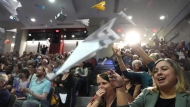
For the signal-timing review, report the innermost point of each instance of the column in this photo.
(20, 41)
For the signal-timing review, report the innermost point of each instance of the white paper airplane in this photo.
(2, 30)
(12, 30)
(122, 14)
(11, 6)
(87, 48)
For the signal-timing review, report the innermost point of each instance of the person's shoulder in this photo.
(47, 81)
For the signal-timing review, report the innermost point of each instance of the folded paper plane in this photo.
(100, 6)
(98, 40)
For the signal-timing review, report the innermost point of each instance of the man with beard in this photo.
(37, 91)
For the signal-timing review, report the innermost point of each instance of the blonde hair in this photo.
(182, 84)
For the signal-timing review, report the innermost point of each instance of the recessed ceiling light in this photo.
(150, 38)
(52, 1)
(154, 34)
(122, 35)
(162, 17)
(130, 17)
(29, 34)
(65, 36)
(13, 36)
(73, 36)
(144, 35)
(33, 20)
(121, 41)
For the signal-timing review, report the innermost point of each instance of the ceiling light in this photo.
(122, 35)
(144, 35)
(84, 31)
(13, 36)
(29, 34)
(132, 37)
(15, 0)
(33, 20)
(52, 1)
(130, 17)
(121, 41)
(65, 36)
(154, 34)
(162, 17)
(73, 36)
(150, 38)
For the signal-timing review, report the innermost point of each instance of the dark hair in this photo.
(33, 65)
(26, 72)
(176, 55)
(104, 76)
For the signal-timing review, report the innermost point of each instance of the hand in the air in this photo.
(115, 79)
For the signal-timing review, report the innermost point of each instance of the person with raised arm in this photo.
(171, 88)
(142, 77)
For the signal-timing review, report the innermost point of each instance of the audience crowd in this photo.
(139, 71)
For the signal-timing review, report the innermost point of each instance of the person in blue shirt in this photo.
(37, 91)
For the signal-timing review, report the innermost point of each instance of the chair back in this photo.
(12, 100)
(50, 95)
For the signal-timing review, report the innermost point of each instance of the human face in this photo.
(103, 84)
(164, 75)
(137, 66)
(49, 67)
(40, 72)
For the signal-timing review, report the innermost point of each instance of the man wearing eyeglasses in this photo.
(37, 91)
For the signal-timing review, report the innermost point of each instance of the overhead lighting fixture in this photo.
(33, 20)
(73, 36)
(144, 35)
(29, 34)
(52, 1)
(65, 36)
(122, 35)
(85, 31)
(150, 38)
(15, 0)
(162, 17)
(121, 41)
(13, 36)
(154, 34)
(130, 17)
(132, 38)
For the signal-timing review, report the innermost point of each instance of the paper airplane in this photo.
(2, 30)
(11, 6)
(12, 30)
(100, 6)
(86, 49)
(122, 14)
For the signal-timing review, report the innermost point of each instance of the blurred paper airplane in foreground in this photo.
(99, 39)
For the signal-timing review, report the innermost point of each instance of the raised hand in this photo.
(115, 79)
(116, 52)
